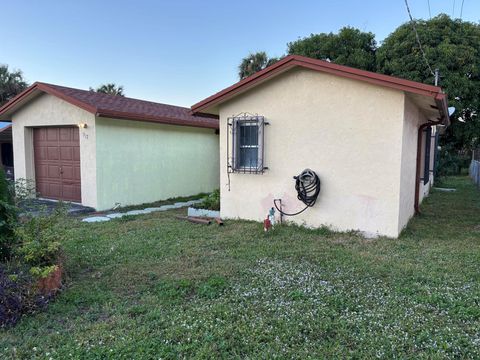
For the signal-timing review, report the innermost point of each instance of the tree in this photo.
(254, 62)
(110, 89)
(350, 47)
(8, 218)
(452, 46)
(11, 83)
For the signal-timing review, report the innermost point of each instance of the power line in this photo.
(429, 11)
(461, 10)
(412, 21)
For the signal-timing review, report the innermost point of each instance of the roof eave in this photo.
(157, 119)
(294, 60)
(11, 106)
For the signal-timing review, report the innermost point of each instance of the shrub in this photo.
(24, 191)
(40, 240)
(211, 202)
(451, 162)
(10, 300)
(8, 218)
(18, 296)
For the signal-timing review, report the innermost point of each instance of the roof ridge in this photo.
(291, 61)
(110, 95)
(111, 106)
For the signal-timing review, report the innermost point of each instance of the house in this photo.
(367, 136)
(6, 149)
(103, 150)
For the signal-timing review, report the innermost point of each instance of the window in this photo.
(246, 136)
(247, 144)
(7, 154)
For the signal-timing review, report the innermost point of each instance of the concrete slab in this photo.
(115, 215)
(96, 219)
(137, 212)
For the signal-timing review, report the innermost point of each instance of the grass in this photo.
(156, 287)
(159, 203)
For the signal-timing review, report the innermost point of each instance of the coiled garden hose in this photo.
(307, 185)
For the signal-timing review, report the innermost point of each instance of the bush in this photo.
(8, 218)
(18, 296)
(211, 202)
(40, 240)
(451, 162)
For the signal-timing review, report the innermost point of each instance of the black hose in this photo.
(307, 185)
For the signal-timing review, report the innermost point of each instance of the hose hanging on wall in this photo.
(307, 185)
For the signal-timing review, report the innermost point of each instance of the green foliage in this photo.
(350, 47)
(11, 84)
(24, 191)
(211, 202)
(42, 271)
(40, 239)
(452, 46)
(110, 89)
(254, 62)
(8, 218)
(451, 161)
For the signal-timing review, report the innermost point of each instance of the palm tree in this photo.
(254, 62)
(11, 84)
(110, 89)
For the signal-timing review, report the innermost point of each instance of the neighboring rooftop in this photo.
(112, 106)
(6, 133)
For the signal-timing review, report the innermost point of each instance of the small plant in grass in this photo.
(211, 201)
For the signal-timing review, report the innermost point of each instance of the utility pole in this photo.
(437, 76)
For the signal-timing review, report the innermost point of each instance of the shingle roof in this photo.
(112, 106)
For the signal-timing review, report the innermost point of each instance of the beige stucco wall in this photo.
(413, 119)
(349, 132)
(141, 162)
(48, 110)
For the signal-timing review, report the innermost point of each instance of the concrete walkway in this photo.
(34, 207)
(116, 215)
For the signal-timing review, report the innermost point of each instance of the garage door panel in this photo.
(41, 153)
(68, 173)
(52, 153)
(71, 192)
(54, 191)
(76, 154)
(76, 173)
(42, 187)
(66, 153)
(71, 173)
(65, 134)
(41, 171)
(57, 163)
(53, 172)
(52, 134)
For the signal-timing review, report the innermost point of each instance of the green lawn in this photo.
(157, 287)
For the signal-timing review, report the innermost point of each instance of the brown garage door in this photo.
(57, 163)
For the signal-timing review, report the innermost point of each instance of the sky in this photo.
(179, 52)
